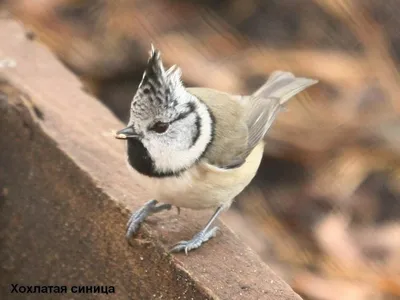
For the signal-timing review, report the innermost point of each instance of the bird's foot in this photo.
(141, 214)
(196, 241)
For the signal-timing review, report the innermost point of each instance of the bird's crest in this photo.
(155, 71)
(165, 83)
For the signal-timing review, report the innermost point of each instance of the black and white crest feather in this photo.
(160, 87)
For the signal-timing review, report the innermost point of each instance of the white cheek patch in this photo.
(172, 158)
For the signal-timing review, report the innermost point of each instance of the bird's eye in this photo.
(160, 127)
(146, 90)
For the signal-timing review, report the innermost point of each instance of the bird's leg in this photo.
(141, 214)
(203, 236)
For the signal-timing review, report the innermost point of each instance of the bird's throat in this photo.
(140, 159)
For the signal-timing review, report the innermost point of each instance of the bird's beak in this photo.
(126, 133)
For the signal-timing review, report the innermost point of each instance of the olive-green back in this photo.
(230, 131)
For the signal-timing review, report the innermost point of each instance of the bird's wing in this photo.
(264, 105)
(242, 121)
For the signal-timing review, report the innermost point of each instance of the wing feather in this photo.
(265, 104)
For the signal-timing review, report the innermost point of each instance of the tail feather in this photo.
(264, 105)
(267, 101)
(283, 86)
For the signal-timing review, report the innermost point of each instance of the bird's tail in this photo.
(283, 86)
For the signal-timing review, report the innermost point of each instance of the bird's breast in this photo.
(203, 186)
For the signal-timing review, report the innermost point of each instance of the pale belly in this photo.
(203, 186)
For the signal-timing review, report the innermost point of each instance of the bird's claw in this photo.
(195, 242)
(141, 214)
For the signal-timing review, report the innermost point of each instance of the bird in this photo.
(197, 148)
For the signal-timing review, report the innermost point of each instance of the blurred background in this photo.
(324, 208)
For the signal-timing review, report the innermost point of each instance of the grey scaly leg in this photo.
(203, 236)
(141, 214)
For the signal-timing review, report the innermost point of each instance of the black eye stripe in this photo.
(183, 115)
